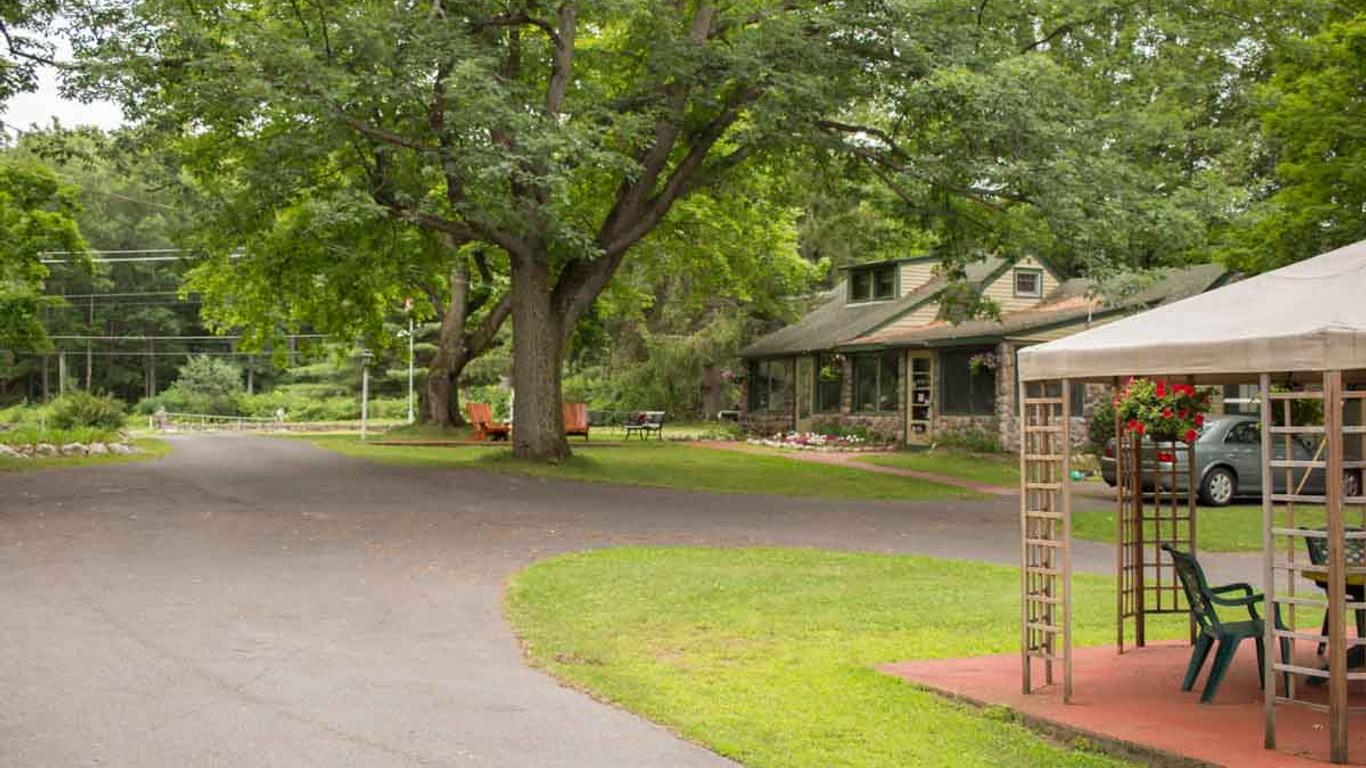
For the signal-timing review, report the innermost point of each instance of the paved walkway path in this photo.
(252, 601)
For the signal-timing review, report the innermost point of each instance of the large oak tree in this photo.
(563, 133)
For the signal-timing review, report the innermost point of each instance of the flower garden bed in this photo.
(815, 441)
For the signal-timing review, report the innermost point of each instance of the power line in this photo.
(120, 295)
(116, 252)
(178, 338)
(120, 256)
(140, 353)
(116, 260)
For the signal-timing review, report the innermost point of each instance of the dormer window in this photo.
(872, 283)
(1029, 283)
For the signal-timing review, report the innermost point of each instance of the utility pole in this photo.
(364, 391)
(89, 356)
(61, 373)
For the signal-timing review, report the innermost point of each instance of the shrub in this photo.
(1100, 428)
(31, 435)
(499, 399)
(205, 385)
(82, 409)
(835, 428)
(969, 439)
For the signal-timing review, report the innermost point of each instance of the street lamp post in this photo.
(364, 392)
(408, 308)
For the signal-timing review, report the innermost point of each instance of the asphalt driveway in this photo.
(258, 602)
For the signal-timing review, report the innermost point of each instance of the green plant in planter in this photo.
(1165, 412)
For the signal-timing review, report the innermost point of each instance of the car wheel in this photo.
(1351, 483)
(1219, 487)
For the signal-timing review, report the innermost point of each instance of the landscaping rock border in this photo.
(48, 450)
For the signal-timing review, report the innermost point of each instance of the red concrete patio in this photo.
(1135, 700)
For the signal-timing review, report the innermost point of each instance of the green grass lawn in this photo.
(768, 656)
(152, 448)
(1217, 529)
(667, 465)
(991, 468)
(672, 431)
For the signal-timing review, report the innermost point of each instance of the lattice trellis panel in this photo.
(1314, 532)
(1045, 534)
(1155, 505)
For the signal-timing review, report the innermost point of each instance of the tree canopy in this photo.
(505, 158)
(1315, 122)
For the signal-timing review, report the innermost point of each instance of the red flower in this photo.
(1185, 414)
(1185, 389)
(1166, 413)
(1191, 435)
(1133, 425)
(1161, 390)
(1199, 420)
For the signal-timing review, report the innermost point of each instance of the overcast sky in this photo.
(38, 108)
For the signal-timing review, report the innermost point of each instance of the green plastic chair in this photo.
(1204, 601)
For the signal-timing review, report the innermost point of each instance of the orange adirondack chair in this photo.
(576, 420)
(485, 428)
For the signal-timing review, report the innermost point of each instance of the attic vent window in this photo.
(1029, 283)
(873, 283)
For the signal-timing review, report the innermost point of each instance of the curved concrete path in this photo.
(258, 602)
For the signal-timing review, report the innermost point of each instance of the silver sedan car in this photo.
(1228, 457)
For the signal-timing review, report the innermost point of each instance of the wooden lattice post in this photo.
(1045, 534)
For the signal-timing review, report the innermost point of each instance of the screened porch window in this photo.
(961, 391)
(876, 375)
(769, 382)
(829, 390)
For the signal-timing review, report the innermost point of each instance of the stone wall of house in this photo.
(1008, 407)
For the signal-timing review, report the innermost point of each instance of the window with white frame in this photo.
(1029, 283)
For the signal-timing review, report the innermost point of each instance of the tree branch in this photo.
(522, 19)
(380, 134)
(562, 60)
(477, 341)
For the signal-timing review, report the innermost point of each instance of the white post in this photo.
(410, 369)
(364, 392)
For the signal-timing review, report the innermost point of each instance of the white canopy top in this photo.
(1309, 316)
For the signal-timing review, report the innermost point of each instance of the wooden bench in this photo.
(644, 422)
(485, 428)
(576, 420)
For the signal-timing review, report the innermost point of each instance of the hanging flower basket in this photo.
(984, 361)
(1164, 412)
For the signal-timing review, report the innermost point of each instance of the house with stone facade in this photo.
(878, 351)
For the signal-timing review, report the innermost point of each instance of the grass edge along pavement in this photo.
(149, 449)
(991, 469)
(664, 464)
(769, 656)
(1235, 528)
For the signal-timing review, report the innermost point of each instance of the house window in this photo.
(1029, 283)
(963, 390)
(876, 375)
(829, 390)
(875, 283)
(769, 382)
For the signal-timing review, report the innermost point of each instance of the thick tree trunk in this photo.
(439, 405)
(537, 353)
(457, 344)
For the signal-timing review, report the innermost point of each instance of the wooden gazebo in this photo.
(1299, 335)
